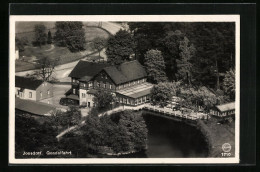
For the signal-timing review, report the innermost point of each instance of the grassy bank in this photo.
(218, 134)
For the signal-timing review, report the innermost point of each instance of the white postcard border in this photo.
(129, 18)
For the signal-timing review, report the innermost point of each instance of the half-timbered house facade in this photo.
(127, 81)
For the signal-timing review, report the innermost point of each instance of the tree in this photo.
(30, 135)
(229, 83)
(162, 93)
(120, 47)
(98, 44)
(66, 119)
(74, 115)
(214, 43)
(103, 100)
(21, 42)
(49, 40)
(184, 63)
(130, 133)
(147, 36)
(155, 66)
(136, 127)
(46, 68)
(93, 133)
(71, 35)
(40, 35)
(170, 46)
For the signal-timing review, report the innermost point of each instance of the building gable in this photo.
(28, 83)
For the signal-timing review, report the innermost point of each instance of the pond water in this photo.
(171, 139)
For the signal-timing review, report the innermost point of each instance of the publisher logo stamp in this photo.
(226, 147)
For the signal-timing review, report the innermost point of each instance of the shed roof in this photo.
(226, 107)
(28, 83)
(33, 107)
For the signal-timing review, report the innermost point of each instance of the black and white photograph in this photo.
(124, 89)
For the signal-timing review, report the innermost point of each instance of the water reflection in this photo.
(171, 139)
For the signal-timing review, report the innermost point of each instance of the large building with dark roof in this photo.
(127, 81)
(32, 89)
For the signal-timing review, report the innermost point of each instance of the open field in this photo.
(28, 26)
(31, 54)
(26, 30)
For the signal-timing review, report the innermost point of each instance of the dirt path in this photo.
(52, 47)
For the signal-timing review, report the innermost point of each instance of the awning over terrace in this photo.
(73, 97)
(136, 91)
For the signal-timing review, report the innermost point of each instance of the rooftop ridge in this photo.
(226, 103)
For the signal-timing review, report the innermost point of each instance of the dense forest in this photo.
(213, 46)
(122, 132)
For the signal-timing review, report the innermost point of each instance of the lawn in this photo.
(28, 26)
(25, 29)
(32, 54)
(23, 66)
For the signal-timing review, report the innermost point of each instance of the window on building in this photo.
(83, 95)
(48, 92)
(41, 94)
(74, 91)
(90, 84)
(105, 76)
(105, 85)
(98, 84)
(143, 80)
(73, 80)
(30, 94)
(110, 86)
(20, 94)
(138, 82)
(84, 85)
(134, 83)
(129, 84)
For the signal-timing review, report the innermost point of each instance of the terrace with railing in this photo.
(160, 110)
